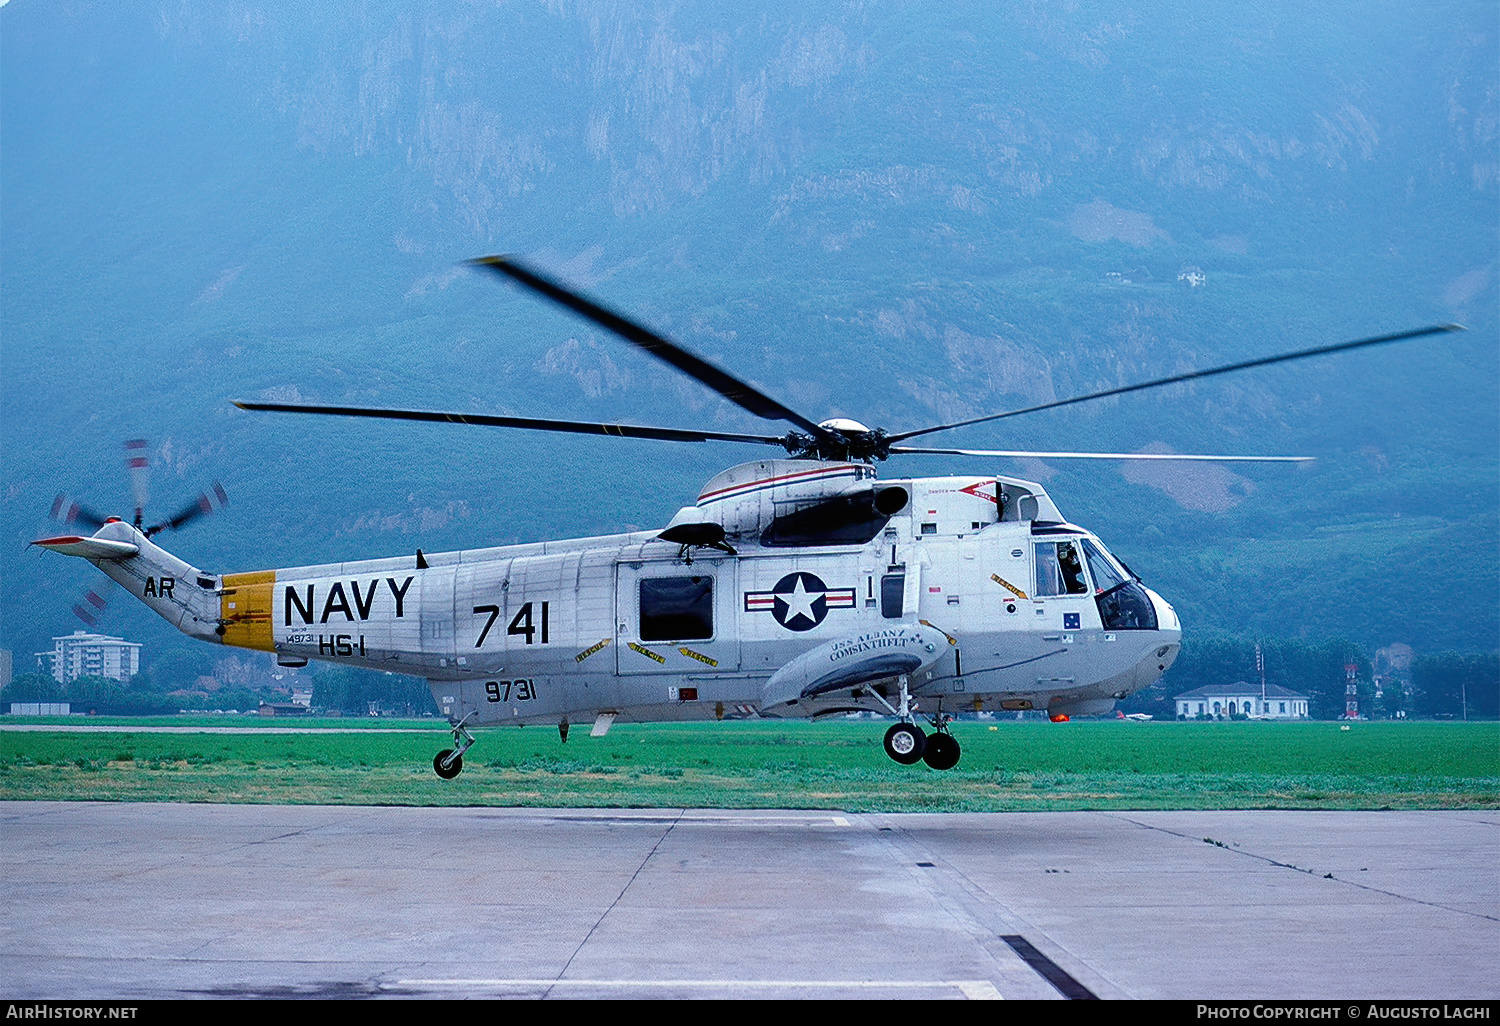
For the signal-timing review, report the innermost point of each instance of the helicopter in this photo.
(799, 585)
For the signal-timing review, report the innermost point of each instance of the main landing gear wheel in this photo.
(905, 743)
(448, 764)
(941, 752)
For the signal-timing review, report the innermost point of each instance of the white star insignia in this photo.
(799, 602)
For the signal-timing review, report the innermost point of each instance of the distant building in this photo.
(5, 668)
(283, 709)
(1242, 699)
(81, 654)
(41, 708)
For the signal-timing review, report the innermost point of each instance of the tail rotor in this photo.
(69, 511)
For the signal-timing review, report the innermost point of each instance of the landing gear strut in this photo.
(449, 763)
(905, 741)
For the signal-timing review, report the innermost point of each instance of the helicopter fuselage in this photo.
(792, 587)
(820, 596)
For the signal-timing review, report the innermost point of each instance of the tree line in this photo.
(1449, 685)
(176, 682)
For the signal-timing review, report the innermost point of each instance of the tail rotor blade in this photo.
(89, 610)
(68, 510)
(205, 503)
(139, 465)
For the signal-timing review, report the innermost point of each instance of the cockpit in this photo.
(1123, 603)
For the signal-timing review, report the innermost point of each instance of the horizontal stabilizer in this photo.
(89, 548)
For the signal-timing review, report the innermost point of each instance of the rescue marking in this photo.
(581, 656)
(1007, 585)
(974, 490)
(698, 656)
(648, 653)
(951, 639)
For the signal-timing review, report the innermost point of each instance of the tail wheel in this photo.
(905, 743)
(447, 765)
(942, 751)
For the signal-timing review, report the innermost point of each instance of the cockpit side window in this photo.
(1059, 569)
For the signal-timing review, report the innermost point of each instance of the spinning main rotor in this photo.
(839, 439)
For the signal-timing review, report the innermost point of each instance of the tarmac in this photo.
(126, 902)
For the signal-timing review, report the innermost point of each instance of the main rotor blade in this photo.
(736, 391)
(906, 451)
(1192, 375)
(526, 423)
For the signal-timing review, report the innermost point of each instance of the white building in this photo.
(1241, 699)
(81, 654)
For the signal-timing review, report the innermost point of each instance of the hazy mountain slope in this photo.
(904, 215)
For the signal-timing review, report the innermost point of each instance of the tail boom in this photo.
(180, 593)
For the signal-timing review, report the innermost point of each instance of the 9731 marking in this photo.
(522, 689)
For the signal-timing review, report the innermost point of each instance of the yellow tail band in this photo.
(246, 607)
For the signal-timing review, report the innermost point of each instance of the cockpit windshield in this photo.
(1106, 577)
(1123, 604)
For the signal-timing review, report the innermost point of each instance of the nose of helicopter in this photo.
(1169, 638)
(1166, 616)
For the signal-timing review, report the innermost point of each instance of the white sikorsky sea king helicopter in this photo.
(793, 587)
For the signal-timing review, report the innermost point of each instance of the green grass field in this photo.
(1006, 766)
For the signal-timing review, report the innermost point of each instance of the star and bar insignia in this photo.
(799, 601)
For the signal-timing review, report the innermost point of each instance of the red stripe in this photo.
(831, 471)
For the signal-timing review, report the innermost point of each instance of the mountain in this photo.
(900, 214)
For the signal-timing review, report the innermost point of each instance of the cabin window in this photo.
(1059, 570)
(677, 608)
(892, 595)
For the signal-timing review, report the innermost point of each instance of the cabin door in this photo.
(672, 617)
